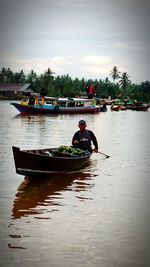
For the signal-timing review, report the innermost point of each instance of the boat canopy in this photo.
(74, 99)
(68, 99)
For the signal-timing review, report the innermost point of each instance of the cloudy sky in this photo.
(82, 38)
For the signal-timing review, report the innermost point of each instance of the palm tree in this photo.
(47, 79)
(124, 82)
(115, 73)
(3, 75)
(19, 77)
(31, 77)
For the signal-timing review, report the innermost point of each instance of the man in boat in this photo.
(31, 100)
(84, 138)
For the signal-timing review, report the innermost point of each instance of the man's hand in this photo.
(75, 142)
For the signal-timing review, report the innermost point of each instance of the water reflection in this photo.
(36, 196)
(31, 116)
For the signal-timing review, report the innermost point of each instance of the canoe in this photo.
(114, 107)
(141, 107)
(45, 161)
(59, 106)
(122, 107)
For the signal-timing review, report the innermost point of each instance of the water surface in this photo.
(99, 216)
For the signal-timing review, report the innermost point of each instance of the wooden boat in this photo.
(138, 107)
(118, 105)
(122, 107)
(59, 106)
(114, 107)
(45, 161)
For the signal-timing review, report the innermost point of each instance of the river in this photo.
(97, 217)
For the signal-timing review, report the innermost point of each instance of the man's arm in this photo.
(75, 139)
(94, 140)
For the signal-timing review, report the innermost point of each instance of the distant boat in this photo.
(114, 107)
(138, 107)
(59, 106)
(118, 105)
(135, 105)
(39, 162)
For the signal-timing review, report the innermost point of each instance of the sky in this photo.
(81, 38)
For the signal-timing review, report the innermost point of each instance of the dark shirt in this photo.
(31, 100)
(85, 138)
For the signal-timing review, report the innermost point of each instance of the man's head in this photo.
(82, 125)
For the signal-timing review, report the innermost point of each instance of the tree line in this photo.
(61, 86)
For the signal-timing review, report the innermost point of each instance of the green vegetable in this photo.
(71, 151)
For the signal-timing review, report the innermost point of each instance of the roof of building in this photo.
(4, 87)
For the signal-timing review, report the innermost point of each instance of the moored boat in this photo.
(38, 162)
(122, 107)
(138, 107)
(114, 107)
(118, 105)
(59, 106)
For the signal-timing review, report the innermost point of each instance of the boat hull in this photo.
(36, 162)
(114, 108)
(54, 109)
(138, 107)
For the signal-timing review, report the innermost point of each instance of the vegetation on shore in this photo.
(120, 86)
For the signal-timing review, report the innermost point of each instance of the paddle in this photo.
(103, 154)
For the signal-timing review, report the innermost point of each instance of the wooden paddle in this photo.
(103, 154)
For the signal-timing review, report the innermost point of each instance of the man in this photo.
(84, 138)
(91, 91)
(31, 100)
